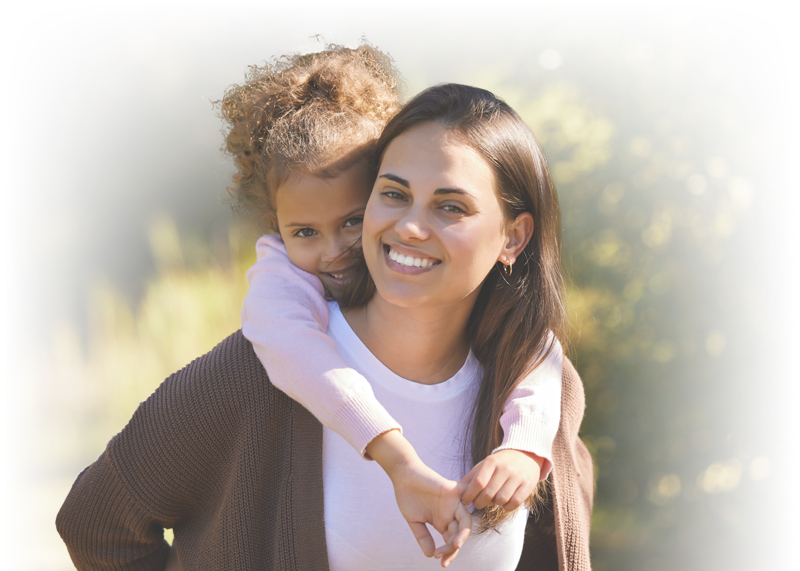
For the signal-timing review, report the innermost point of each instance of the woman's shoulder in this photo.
(230, 376)
(198, 417)
(219, 405)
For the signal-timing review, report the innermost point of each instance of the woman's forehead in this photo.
(432, 154)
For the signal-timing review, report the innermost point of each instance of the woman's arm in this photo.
(104, 526)
(285, 317)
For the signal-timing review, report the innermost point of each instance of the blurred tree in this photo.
(669, 128)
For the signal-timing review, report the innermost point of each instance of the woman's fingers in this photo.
(486, 496)
(424, 538)
(508, 497)
(518, 498)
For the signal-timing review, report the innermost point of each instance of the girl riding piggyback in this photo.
(302, 132)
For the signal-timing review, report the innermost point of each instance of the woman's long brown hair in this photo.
(513, 316)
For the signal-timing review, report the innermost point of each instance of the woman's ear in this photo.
(520, 232)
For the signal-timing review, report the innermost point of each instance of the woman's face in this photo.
(434, 227)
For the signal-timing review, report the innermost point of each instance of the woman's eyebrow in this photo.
(438, 191)
(452, 191)
(397, 179)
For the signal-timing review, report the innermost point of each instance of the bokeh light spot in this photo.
(550, 59)
(759, 468)
(720, 477)
(696, 184)
(715, 343)
(741, 193)
(717, 167)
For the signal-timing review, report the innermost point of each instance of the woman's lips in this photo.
(408, 263)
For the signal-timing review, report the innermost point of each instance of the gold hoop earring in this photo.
(508, 269)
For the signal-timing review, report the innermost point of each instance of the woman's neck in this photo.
(427, 345)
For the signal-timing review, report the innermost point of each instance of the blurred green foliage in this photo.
(669, 128)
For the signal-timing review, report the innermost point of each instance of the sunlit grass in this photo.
(64, 400)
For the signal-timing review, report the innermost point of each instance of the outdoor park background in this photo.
(670, 131)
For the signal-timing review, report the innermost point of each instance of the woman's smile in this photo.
(404, 260)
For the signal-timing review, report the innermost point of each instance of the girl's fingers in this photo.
(456, 534)
(464, 525)
(424, 538)
(449, 558)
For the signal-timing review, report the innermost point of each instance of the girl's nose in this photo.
(331, 250)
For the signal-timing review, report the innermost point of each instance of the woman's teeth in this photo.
(410, 261)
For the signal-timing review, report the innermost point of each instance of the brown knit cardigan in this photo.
(235, 467)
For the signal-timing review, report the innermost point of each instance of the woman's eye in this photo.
(355, 221)
(305, 233)
(453, 208)
(393, 195)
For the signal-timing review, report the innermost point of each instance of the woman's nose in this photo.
(412, 225)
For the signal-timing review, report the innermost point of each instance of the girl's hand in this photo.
(423, 496)
(505, 478)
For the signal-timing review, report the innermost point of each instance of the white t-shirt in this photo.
(363, 525)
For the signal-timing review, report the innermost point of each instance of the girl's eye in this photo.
(305, 233)
(355, 221)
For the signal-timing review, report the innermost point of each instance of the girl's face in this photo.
(319, 218)
(433, 227)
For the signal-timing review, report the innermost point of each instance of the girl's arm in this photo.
(530, 420)
(285, 317)
(533, 410)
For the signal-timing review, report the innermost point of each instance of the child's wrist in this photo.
(393, 453)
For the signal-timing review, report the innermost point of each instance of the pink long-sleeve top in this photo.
(285, 317)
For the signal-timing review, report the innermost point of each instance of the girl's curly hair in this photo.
(316, 113)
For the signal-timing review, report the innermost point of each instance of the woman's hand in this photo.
(505, 478)
(423, 496)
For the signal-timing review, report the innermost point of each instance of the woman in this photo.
(237, 468)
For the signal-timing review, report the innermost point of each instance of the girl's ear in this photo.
(520, 232)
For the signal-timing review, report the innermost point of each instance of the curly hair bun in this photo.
(317, 113)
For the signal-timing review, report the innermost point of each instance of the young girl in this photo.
(301, 132)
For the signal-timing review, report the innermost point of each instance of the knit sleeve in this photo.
(165, 467)
(104, 527)
(285, 317)
(532, 412)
